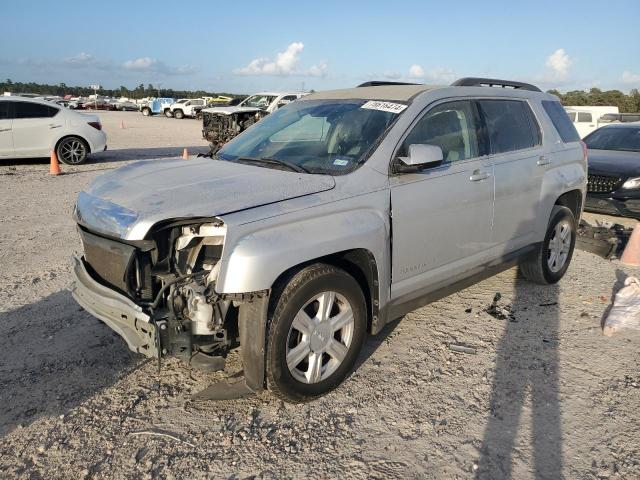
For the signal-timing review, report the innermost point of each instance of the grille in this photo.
(110, 260)
(602, 183)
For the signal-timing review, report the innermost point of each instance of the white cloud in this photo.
(628, 77)
(80, 59)
(416, 71)
(441, 75)
(151, 65)
(558, 64)
(285, 64)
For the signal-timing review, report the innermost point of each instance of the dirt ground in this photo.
(545, 396)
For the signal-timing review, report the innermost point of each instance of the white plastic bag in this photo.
(625, 313)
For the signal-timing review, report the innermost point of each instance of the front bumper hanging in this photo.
(117, 311)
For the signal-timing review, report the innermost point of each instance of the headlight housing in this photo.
(103, 215)
(631, 183)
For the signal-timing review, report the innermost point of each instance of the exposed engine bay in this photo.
(219, 128)
(172, 276)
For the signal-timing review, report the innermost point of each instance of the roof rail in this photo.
(494, 82)
(381, 83)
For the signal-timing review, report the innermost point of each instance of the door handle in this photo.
(5, 129)
(52, 126)
(478, 175)
(542, 160)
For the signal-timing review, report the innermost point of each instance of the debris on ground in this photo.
(499, 312)
(625, 312)
(606, 239)
(461, 349)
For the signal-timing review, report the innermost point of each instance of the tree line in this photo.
(138, 92)
(626, 103)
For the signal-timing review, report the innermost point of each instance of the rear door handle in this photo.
(543, 161)
(478, 175)
(5, 129)
(52, 126)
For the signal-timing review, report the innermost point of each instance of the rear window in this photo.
(34, 110)
(561, 121)
(511, 125)
(584, 117)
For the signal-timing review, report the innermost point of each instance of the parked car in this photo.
(99, 104)
(282, 243)
(614, 170)
(76, 104)
(619, 117)
(586, 118)
(186, 109)
(221, 124)
(32, 128)
(156, 106)
(127, 106)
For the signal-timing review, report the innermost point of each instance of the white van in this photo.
(585, 118)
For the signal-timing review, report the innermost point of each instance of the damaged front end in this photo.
(159, 295)
(219, 128)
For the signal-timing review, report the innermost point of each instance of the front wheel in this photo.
(146, 111)
(178, 114)
(551, 260)
(316, 332)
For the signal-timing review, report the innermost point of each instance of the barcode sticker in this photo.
(384, 106)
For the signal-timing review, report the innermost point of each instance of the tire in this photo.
(198, 116)
(298, 331)
(168, 114)
(540, 266)
(146, 112)
(72, 150)
(178, 114)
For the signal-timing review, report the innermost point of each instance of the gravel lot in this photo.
(546, 395)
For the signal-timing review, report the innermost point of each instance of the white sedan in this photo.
(34, 128)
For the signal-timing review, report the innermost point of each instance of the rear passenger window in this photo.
(33, 110)
(451, 126)
(511, 125)
(561, 121)
(584, 117)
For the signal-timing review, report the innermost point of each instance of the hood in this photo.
(230, 110)
(623, 164)
(126, 202)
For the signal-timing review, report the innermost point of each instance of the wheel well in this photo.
(86, 144)
(359, 263)
(573, 201)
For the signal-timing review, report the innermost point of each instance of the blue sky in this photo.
(246, 46)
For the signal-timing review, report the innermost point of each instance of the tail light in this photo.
(96, 125)
(585, 151)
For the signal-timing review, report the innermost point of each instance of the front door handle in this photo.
(52, 126)
(478, 175)
(542, 160)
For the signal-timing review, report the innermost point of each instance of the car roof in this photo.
(14, 98)
(622, 125)
(401, 93)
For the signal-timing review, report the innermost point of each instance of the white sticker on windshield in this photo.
(384, 106)
(340, 162)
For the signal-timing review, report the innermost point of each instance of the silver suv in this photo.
(331, 217)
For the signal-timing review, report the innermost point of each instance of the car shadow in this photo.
(619, 283)
(373, 342)
(54, 355)
(526, 380)
(113, 156)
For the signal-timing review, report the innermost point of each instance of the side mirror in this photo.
(420, 156)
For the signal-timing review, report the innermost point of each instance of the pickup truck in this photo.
(186, 108)
(157, 106)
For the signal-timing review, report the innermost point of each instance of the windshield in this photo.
(623, 139)
(258, 101)
(320, 136)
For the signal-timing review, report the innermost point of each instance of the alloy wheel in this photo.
(559, 246)
(72, 151)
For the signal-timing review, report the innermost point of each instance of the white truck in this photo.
(586, 118)
(185, 108)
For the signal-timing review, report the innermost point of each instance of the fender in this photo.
(254, 258)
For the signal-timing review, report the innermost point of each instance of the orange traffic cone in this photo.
(631, 254)
(185, 154)
(54, 167)
(121, 123)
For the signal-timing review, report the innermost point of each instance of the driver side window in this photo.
(452, 126)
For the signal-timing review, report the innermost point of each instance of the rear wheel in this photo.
(316, 331)
(168, 114)
(146, 111)
(72, 151)
(551, 260)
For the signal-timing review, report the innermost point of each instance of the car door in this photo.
(34, 127)
(6, 133)
(441, 216)
(519, 163)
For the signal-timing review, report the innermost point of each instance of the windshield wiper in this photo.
(274, 161)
